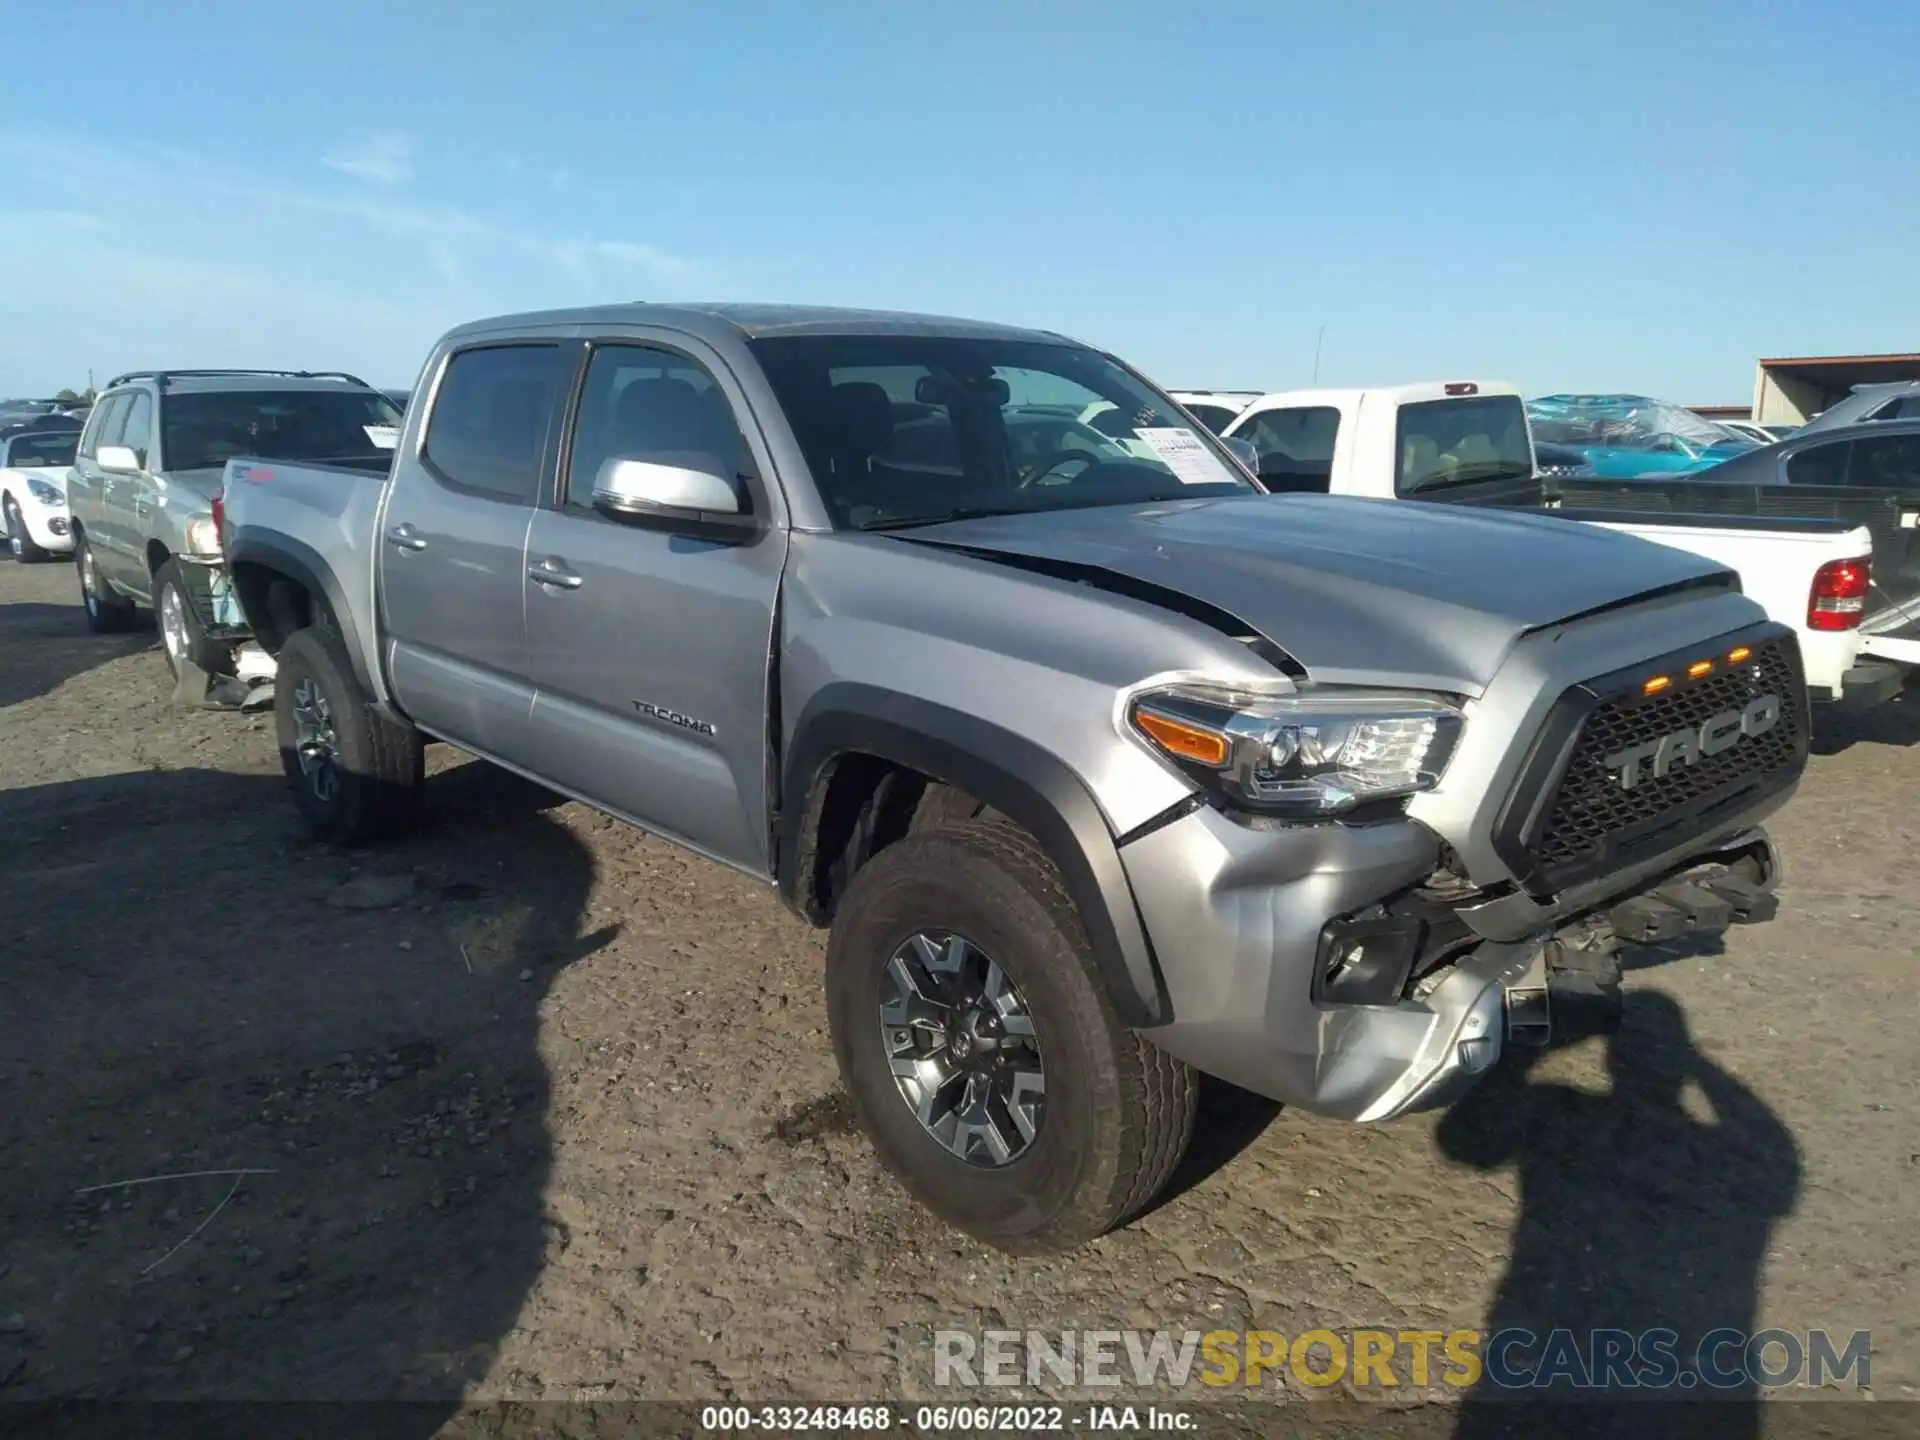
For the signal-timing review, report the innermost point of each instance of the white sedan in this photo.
(33, 492)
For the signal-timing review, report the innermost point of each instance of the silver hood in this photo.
(1357, 591)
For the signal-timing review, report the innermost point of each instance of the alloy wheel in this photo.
(315, 741)
(173, 624)
(961, 1043)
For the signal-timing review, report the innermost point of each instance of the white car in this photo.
(1215, 409)
(1747, 430)
(33, 492)
(1468, 442)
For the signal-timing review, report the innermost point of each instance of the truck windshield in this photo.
(1454, 442)
(203, 430)
(907, 430)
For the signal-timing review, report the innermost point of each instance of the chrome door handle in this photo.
(405, 537)
(558, 576)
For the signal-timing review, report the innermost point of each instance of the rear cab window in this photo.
(492, 414)
(1439, 443)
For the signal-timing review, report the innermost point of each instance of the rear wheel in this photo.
(981, 1053)
(356, 775)
(182, 636)
(19, 539)
(108, 613)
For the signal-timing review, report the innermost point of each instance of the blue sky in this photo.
(1628, 196)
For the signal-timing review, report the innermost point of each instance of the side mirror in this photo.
(676, 497)
(117, 460)
(1246, 452)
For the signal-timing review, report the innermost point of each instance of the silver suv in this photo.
(146, 478)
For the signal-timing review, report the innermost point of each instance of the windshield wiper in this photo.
(1470, 475)
(964, 512)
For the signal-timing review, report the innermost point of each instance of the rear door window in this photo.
(491, 415)
(1295, 445)
(1820, 465)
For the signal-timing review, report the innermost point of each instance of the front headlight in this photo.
(203, 536)
(44, 491)
(1307, 756)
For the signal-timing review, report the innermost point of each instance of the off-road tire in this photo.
(213, 657)
(107, 612)
(1119, 1111)
(380, 770)
(26, 549)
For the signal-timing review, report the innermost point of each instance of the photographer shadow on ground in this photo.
(1647, 1207)
(198, 987)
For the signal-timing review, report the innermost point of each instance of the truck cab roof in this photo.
(1345, 398)
(753, 321)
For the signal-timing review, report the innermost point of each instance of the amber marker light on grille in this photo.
(1189, 742)
(1656, 685)
(1699, 668)
(1739, 654)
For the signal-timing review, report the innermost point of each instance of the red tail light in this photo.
(1839, 594)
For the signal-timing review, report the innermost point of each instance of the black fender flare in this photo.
(299, 562)
(1003, 770)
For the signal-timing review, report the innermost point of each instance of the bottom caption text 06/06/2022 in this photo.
(959, 1419)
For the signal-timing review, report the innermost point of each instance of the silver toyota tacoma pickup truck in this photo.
(1103, 765)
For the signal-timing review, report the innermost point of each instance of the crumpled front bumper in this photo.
(1236, 915)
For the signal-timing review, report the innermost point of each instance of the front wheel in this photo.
(356, 774)
(182, 637)
(983, 1058)
(19, 539)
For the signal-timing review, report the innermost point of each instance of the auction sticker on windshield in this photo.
(1186, 455)
(386, 437)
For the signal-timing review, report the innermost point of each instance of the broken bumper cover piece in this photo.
(1238, 917)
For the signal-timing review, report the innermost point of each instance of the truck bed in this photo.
(325, 510)
(1890, 516)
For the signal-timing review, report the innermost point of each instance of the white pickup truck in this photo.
(1466, 442)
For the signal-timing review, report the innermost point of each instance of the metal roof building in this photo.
(1792, 391)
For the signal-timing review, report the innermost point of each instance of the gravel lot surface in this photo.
(544, 1108)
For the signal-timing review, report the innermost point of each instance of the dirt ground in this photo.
(538, 1107)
